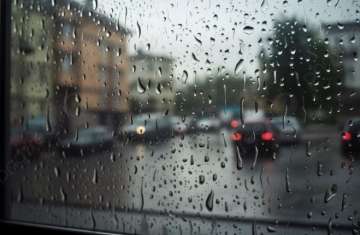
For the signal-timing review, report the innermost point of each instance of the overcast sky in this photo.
(181, 29)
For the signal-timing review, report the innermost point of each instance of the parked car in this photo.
(350, 137)
(179, 125)
(245, 117)
(24, 145)
(208, 124)
(88, 140)
(153, 126)
(37, 127)
(289, 129)
(252, 135)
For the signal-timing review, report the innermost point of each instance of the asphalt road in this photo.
(309, 182)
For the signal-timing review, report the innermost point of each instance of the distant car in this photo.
(153, 126)
(229, 113)
(88, 140)
(179, 125)
(289, 129)
(24, 145)
(262, 136)
(37, 127)
(246, 116)
(208, 124)
(350, 138)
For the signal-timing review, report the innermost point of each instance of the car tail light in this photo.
(267, 136)
(346, 136)
(236, 136)
(234, 123)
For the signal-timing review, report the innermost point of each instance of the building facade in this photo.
(79, 73)
(151, 86)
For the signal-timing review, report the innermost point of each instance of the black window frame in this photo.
(17, 226)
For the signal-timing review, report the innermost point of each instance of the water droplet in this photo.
(344, 201)
(239, 160)
(48, 124)
(353, 39)
(330, 193)
(56, 172)
(139, 29)
(271, 229)
(160, 71)
(210, 201)
(77, 111)
(237, 66)
(355, 56)
(185, 76)
(287, 180)
(158, 89)
(62, 195)
(319, 168)
(308, 147)
(20, 195)
(248, 29)
(141, 88)
(209, 99)
(201, 179)
(194, 57)
(77, 98)
(198, 40)
(340, 26)
(95, 177)
(94, 4)
(256, 154)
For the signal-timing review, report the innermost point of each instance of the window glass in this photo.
(185, 117)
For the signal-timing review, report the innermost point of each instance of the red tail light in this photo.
(267, 136)
(236, 136)
(234, 123)
(346, 136)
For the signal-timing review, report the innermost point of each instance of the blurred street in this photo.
(309, 181)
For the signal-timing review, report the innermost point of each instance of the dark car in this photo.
(180, 125)
(88, 140)
(38, 127)
(261, 136)
(24, 145)
(208, 124)
(289, 129)
(350, 138)
(153, 126)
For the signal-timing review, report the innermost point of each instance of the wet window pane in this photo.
(185, 117)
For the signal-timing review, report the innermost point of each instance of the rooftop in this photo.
(80, 11)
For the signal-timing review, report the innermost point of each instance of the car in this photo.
(350, 137)
(24, 145)
(229, 113)
(152, 126)
(88, 140)
(208, 124)
(289, 129)
(246, 116)
(179, 125)
(262, 136)
(38, 127)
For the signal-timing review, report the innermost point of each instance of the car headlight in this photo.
(140, 130)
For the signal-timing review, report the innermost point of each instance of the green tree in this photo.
(210, 95)
(301, 69)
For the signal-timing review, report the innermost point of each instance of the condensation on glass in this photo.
(185, 117)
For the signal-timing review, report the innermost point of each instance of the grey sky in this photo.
(170, 27)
